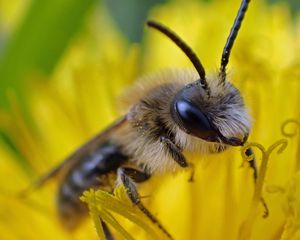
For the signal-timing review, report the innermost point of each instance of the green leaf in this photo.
(130, 16)
(294, 5)
(9, 144)
(39, 41)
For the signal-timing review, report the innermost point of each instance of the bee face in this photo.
(210, 110)
(219, 116)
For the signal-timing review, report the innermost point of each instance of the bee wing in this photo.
(76, 156)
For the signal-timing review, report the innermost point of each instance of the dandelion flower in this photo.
(222, 202)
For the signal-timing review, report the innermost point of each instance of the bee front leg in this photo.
(253, 165)
(191, 178)
(174, 151)
(128, 177)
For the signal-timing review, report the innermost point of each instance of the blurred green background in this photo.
(35, 34)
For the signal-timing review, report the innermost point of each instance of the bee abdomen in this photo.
(95, 170)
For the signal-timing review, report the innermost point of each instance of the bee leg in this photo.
(136, 175)
(174, 151)
(253, 165)
(107, 232)
(128, 177)
(191, 178)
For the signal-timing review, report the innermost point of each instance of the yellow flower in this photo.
(222, 201)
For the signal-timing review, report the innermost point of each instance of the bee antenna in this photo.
(185, 48)
(232, 36)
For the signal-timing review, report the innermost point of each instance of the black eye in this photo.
(192, 120)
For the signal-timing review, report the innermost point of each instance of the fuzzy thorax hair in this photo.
(149, 103)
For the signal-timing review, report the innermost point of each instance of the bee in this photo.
(168, 113)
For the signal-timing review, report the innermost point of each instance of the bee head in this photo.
(215, 112)
(220, 117)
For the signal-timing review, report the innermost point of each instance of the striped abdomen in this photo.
(96, 170)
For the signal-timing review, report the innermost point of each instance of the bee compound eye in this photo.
(190, 118)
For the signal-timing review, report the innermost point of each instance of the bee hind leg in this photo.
(130, 176)
(107, 232)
